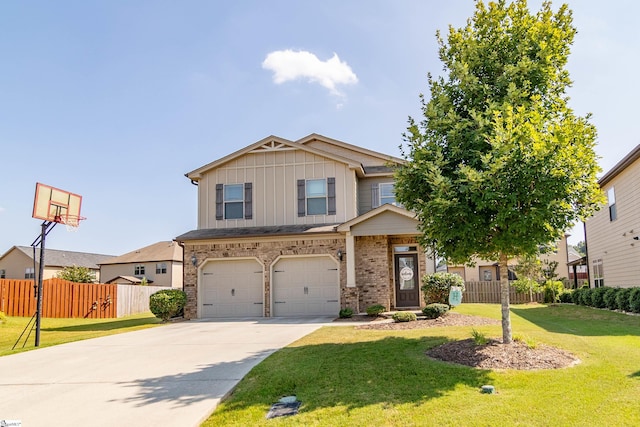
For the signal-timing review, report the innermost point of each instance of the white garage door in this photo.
(232, 288)
(306, 286)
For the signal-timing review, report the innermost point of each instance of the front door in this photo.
(406, 277)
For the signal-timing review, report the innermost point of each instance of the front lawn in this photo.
(349, 377)
(60, 331)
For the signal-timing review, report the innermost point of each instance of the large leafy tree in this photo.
(500, 165)
(77, 274)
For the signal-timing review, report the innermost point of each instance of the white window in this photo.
(611, 197)
(316, 194)
(598, 273)
(387, 193)
(161, 268)
(29, 273)
(233, 201)
(138, 270)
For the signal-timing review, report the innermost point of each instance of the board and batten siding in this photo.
(274, 176)
(612, 241)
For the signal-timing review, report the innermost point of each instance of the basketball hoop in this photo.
(71, 222)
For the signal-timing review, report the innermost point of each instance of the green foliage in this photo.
(435, 310)
(478, 337)
(500, 164)
(622, 299)
(530, 342)
(526, 286)
(346, 313)
(77, 274)
(436, 287)
(552, 290)
(167, 303)
(585, 296)
(576, 296)
(610, 298)
(567, 296)
(634, 300)
(144, 282)
(404, 316)
(581, 248)
(597, 297)
(375, 310)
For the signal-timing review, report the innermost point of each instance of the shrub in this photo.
(167, 303)
(567, 296)
(479, 338)
(634, 300)
(404, 316)
(528, 341)
(345, 313)
(374, 310)
(597, 297)
(436, 287)
(622, 299)
(585, 297)
(552, 290)
(575, 296)
(433, 311)
(609, 298)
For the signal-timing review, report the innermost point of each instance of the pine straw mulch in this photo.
(493, 355)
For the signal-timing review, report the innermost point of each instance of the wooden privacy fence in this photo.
(489, 292)
(64, 299)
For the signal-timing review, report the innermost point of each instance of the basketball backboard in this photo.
(55, 205)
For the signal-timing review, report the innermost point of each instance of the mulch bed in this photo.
(493, 355)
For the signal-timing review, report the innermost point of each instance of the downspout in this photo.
(586, 252)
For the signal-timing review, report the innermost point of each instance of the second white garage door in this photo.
(306, 286)
(232, 288)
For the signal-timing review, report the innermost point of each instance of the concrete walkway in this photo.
(173, 375)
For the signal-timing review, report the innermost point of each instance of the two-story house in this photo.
(613, 233)
(306, 227)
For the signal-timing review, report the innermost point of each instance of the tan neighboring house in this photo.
(613, 233)
(488, 271)
(17, 262)
(306, 227)
(160, 264)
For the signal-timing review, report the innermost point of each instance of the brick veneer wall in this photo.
(264, 251)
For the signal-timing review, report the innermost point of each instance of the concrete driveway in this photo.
(173, 375)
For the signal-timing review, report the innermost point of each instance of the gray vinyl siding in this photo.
(365, 204)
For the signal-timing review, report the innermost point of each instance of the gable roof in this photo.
(620, 166)
(130, 279)
(58, 258)
(375, 212)
(271, 143)
(161, 251)
(350, 147)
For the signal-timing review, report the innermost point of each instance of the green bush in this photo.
(585, 297)
(610, 298)
(404, 316)
(479, 338)
(345, 313)
(575, 296)
(436, 287)
(552, 290)
(622, 299)
(375, 310)
(167, 303)
(567, 296)
(597, 297)
(634, 300)
(435, 310)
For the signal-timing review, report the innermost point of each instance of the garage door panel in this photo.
(306, 286)
(232, 288)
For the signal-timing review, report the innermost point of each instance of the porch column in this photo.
(351, 261)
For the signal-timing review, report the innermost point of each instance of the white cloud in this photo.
(290, 65)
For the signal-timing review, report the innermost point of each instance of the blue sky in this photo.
(117, 100)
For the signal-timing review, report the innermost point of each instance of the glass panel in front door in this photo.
(407, 275)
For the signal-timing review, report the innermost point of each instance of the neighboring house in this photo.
(306, 227)
(613, 233)
(487, 271)
(160, 264)
(18, 263)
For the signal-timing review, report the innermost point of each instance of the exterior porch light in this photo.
(340, 254)
(194, 260)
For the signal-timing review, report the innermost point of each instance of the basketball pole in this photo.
(47, 226)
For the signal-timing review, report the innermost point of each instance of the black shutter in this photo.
(301, 197)
(248, 205)
(219, 201)
(331, 193)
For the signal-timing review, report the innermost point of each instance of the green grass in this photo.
(349, 377)
(60, 331)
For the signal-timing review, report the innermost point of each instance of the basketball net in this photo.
(71, 223)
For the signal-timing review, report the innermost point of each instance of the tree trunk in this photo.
(504, 299)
